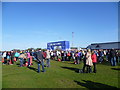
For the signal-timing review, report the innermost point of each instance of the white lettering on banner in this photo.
(55, 44)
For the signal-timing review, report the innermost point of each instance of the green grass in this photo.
(59, 75)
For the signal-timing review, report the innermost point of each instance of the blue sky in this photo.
(33, 24)
(0, 25)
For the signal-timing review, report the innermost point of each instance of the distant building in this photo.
(109, 45)
(61, 45)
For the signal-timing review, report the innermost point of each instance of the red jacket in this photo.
(44, 54)
(94, 58)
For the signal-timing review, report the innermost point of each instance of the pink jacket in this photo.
(94, 58)
(28, 55)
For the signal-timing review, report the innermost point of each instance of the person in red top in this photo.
(44, 54)
(69, 56)
(94, 60)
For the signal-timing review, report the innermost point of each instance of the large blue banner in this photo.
(61, 45)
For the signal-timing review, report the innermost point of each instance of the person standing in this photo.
(76, 58)
(62, 55)
(118, 56)
(22, 57)
(40, 60)
(109, 56)
(113, 57)
(73, 55)
(57, 54)
(5, 57)
(84, 62)
(0, 56)
(101, 55)
(94, 60)
(44, 55)
(34, 55)
(52, 55)
(89, 61)
(28, 57)
(17, 55)
(69, 55)
(48, 58)
(12, 57)
(8, 57)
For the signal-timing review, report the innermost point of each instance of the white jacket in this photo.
(4, 54)
(89, 59)
(47, 55)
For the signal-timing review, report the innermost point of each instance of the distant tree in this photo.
(30, 49)
(43, 49)
(73, 48)
(16, 50)
(38, 48)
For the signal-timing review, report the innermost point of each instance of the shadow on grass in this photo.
(32, 68)
(107, 63)
(90, 85)
(116, 69)
(73, 69)
(18, 64)
(71, 63)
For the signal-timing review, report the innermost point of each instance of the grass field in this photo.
(60, 75)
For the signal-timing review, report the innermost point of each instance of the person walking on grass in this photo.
(94, 60)
(48, 58)
(40, 60)
(89, 61)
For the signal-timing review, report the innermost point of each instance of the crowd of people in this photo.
(26, 57)
(87, 56)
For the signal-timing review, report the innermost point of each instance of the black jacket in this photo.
(12, 54)
(39, 55)
(112, 53)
